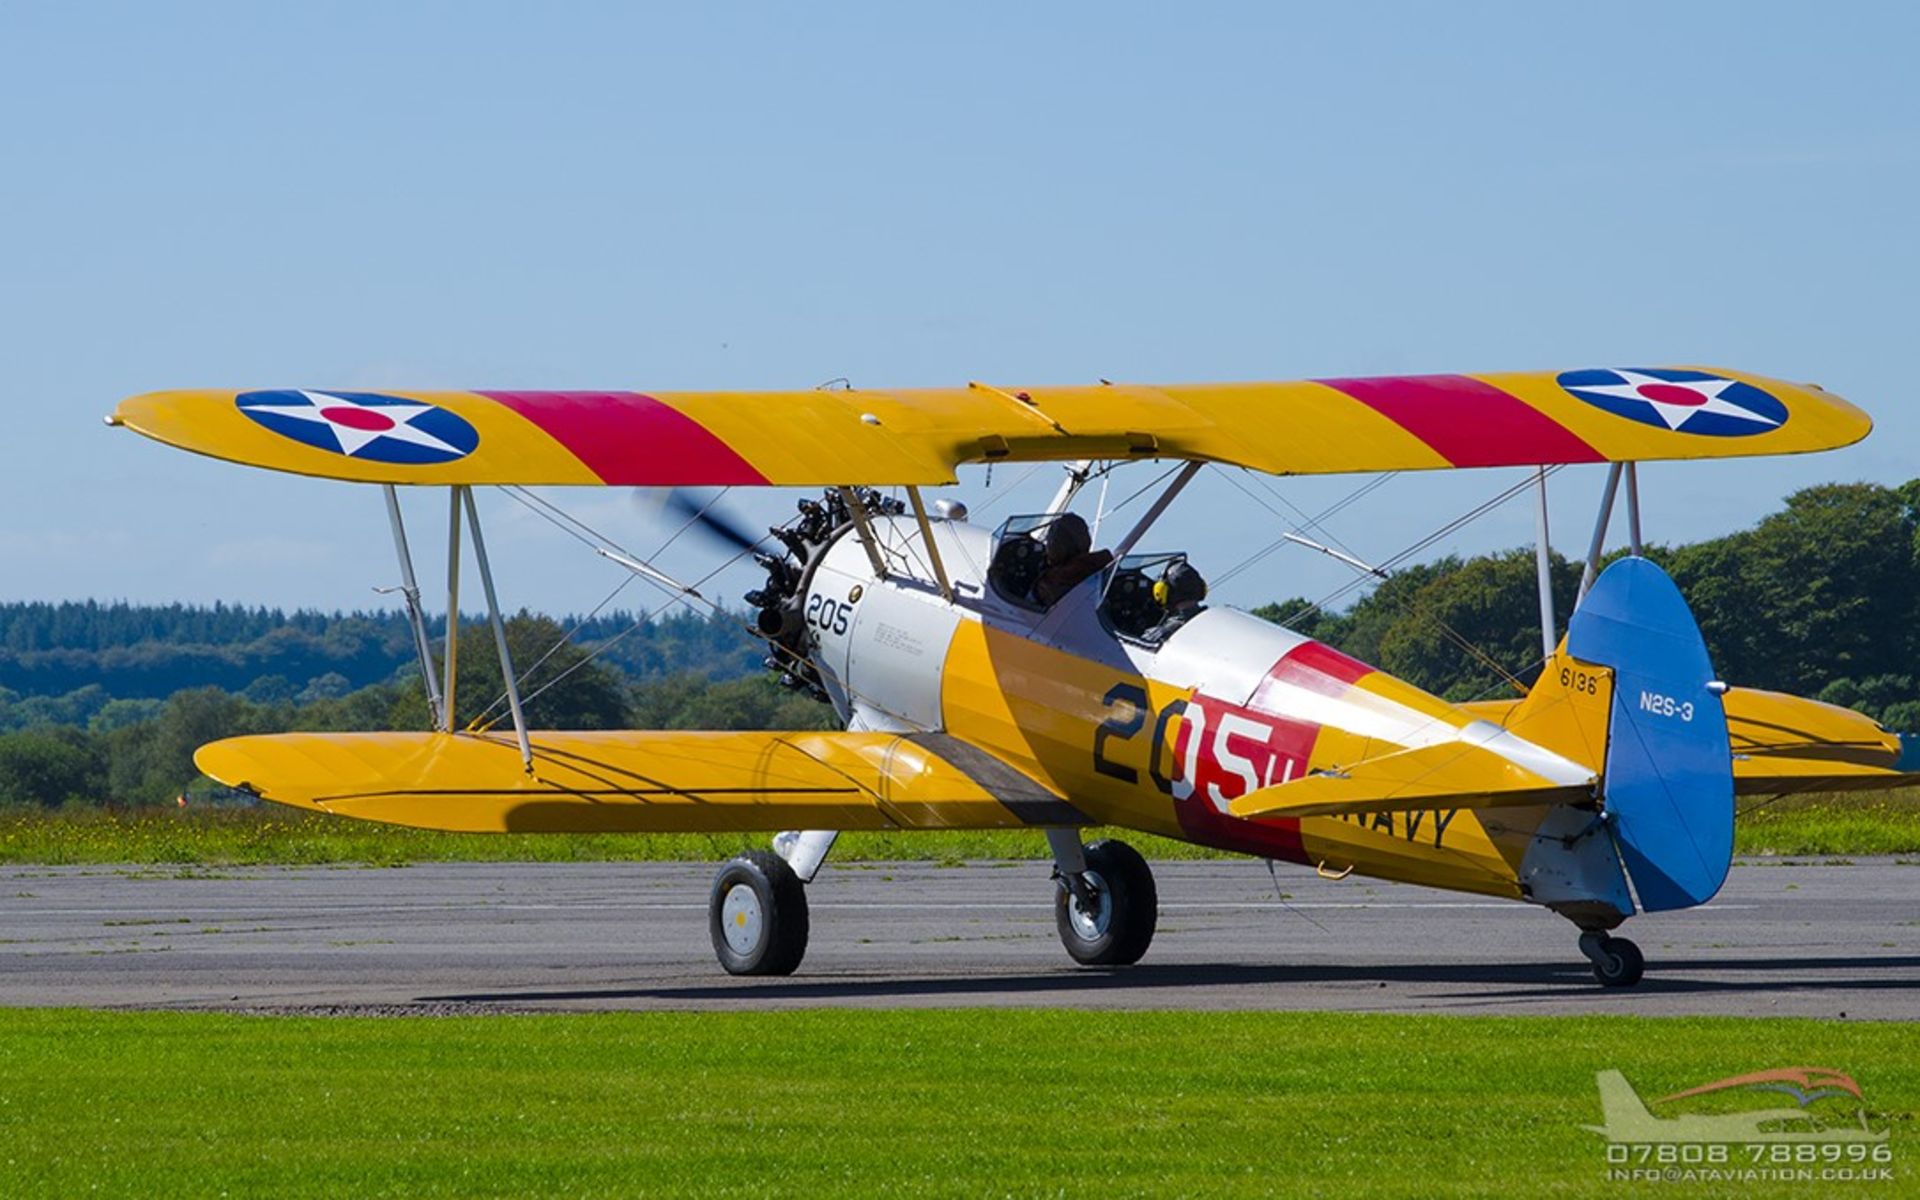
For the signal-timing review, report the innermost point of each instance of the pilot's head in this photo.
(1181, 589)
(1067, 539)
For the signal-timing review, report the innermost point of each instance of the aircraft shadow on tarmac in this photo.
(1558, 979)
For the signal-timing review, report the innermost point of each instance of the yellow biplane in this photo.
(1022, 677)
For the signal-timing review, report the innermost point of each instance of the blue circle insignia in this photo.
(1682, 401)
(365, 425)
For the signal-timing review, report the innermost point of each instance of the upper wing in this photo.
(640, 782)
(919, 437)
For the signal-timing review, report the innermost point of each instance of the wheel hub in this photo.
(1090, 917)
(741, 918)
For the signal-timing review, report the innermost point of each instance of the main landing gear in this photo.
(757, 915)
(1106, 906)
(1617, 962)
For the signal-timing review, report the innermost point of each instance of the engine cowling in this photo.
(879, 643)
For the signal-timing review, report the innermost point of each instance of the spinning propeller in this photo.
(706, 517)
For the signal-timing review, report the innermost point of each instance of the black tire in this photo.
(1120, 932)
(1622, 964)
(764, 930)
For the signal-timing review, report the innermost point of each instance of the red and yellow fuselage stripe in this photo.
(1138, 753)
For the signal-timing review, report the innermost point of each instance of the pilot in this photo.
(1180, 592)
(1071, 558)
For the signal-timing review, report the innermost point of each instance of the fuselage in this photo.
(1159, 736)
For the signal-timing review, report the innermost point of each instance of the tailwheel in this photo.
(1617, 962)
(757, 915)
(1106, 914)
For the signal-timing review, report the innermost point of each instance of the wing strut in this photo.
(1159, 506)
(410, 591)
(863, 528)
(1543, 559)
(1599, 541)
(453, 610)
(1633, 507)
(464, 494)
(926, 539)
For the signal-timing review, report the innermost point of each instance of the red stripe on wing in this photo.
(1469, 422)
(628, 438)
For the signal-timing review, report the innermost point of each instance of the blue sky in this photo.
(714, 196)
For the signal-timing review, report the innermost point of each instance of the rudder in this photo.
(1668, 777)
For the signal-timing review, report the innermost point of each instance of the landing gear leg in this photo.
(1106, 907)
(1617, 962)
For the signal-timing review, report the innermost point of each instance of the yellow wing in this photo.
(640, 782)
(814, 438)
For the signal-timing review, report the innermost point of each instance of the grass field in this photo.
(1888, 823)
(831, 1103)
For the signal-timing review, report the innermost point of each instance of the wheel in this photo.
(757, 915)
(1620, 963)
(1118, 927)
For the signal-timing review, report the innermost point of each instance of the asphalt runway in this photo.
(1782, 939)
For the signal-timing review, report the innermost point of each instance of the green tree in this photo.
(1822, 591)
(51, 767)
(756, 702)
(152, 762)
(584, 694)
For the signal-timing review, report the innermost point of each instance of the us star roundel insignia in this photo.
(1683, 401)
(364, 425)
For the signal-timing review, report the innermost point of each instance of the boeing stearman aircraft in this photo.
(1020, 677)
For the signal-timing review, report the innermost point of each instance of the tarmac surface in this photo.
(1782, 939)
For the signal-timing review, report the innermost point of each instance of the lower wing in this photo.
(640, 781)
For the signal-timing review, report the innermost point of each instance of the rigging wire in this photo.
(1460, 640)
(686, 594)
(1156, 481)
(555, 516)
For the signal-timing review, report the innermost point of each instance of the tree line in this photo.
(1819, 599)
(141, 752)
(149, 652)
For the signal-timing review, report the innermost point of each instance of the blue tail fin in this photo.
(1668, 781)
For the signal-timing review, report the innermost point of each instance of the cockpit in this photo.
(1150, 596)
(1039, 559)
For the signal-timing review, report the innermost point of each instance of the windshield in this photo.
(1039, 558)
(1148, 597)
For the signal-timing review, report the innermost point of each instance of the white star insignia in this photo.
(1672, 411)
(354, 425)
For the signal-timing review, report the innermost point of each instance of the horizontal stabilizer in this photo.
(1780, 743)
(1786, 743)
(1443, 776)
(640, 782)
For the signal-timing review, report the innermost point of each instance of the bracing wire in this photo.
(1453, 635)
(566, 522)
(687, 595)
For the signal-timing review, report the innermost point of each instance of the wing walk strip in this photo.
(1024, 798)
